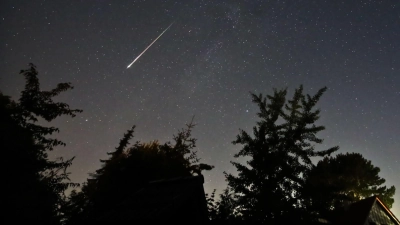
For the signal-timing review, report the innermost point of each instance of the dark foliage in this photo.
(129, 169)
(268, 189)
(34, 184)
(212, 206)
(344, 179)
(221, 211)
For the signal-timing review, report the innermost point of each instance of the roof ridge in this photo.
(387, 210)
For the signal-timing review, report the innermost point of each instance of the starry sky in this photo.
(205, 65)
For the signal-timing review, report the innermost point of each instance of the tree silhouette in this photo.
(35, 185)
(129, 169)
(268, 189)
(343, 179)
(221, 211)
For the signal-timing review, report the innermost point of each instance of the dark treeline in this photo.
(279, 184)
(35, 185)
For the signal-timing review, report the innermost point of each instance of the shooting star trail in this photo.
(149, 46)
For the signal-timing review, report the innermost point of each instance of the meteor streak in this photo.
(149, 46)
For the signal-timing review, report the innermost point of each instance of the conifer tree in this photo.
(268, 188)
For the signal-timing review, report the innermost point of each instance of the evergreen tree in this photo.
(35, 184)
(129, 169)
(346, 178)
(269, 188)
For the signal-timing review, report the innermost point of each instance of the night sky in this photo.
(205, 65)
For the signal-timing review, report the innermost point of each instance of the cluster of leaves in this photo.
(129, 169)
(35, 186)
(343, 179)
(222, 209)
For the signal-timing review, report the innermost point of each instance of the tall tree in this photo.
(129, 169)
(268, 189)
(34, 184)
(343, 179)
